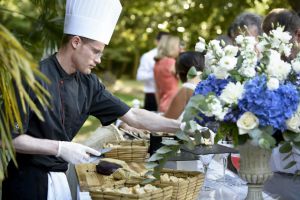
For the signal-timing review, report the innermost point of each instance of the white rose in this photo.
(247, 122)
(219, 72)
(232, 92)
(200, 46)
(231, 50)
(293, 124)
(296, 66)
(228, 62)
(273, 84)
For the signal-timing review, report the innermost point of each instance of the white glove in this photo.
(75, 153)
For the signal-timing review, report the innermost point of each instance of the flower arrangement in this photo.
(247, 92)
(250, 91)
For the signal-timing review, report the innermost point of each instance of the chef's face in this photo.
(88, 54)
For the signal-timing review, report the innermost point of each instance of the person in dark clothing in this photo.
(45, 148)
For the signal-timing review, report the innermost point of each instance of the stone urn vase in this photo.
(254, 168)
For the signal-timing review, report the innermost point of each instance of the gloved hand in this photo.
(75, 153)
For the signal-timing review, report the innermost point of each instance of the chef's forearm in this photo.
(143, 119)
(30, 145)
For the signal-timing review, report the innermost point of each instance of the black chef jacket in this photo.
(73, 98)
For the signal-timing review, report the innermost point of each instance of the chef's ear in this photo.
(76, 41)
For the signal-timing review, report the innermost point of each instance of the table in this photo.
(232, 189)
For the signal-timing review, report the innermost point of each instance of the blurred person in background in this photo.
(166, 80)
(284, 182)
(184, 63)
(247, 23)
(145, 74)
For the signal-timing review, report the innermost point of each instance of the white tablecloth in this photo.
(232, 189)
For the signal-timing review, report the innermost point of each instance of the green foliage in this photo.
(38, 24)
(16, 68)
(192, 73)
(286, 147)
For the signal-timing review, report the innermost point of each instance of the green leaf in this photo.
(182, 136)
(149, 173)
(289, 135)
(163, 150)
(297, 145)
(192, 73)
(148, 180)
(198, 138)
(290, 164)
(151, 165)
(285, 148)
(155, 157)
(190, 145)
(170, 142)
(287, 156)
(206, 134)
(267, 130)
(297, 138)
(297, 172)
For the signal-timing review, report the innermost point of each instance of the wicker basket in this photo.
(187, 189)
(128, 150)
(163, 193)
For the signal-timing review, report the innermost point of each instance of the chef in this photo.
(45, 148)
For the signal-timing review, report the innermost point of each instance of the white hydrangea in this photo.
(248, 72)
(273, 83)
(215, 108)
(232, 93)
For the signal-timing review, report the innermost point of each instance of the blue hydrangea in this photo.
(211, 84)
(272, 107)
(233, 115)
(297, 82)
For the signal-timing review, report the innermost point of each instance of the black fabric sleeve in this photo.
(24, 114)
(106, 107)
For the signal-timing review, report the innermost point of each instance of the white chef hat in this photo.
(93, 19)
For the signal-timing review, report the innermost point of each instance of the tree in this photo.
(38, 24)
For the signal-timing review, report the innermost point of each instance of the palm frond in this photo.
(16, 68)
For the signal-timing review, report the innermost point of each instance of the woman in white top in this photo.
(184, 62)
